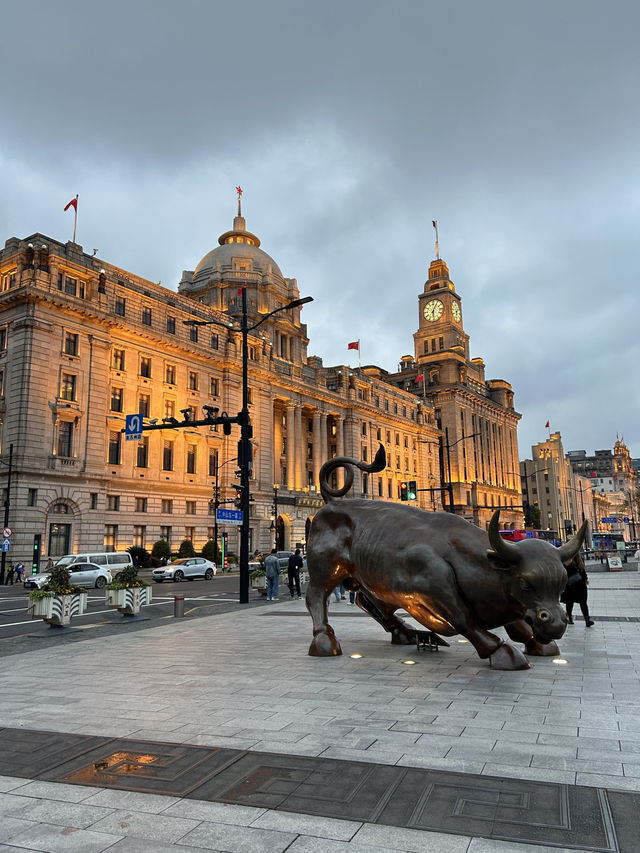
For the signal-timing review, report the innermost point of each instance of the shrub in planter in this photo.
(58, 600)
(209, 551)
(186, 549)
(139, 555)
(127, 592)
(161, 551)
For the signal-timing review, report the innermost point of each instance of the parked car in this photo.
(115, 560)
(80, 574)
(189, 568)
(257, 562)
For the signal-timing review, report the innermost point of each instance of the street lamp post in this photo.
(275, 516)
(448, 449)
(246, 430)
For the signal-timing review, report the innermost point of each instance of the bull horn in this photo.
(506, 550)
(570, 549)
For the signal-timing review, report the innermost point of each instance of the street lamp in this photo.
(246, 430)
(448, 448)
(275, 515)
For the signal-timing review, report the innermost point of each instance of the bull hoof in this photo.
(403, 637)
(325, 645)
(507, 657)
(536, 649)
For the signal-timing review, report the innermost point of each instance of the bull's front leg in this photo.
(324, 643)
(501, 655)
(521, 632)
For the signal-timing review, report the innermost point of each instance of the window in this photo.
(167, 506)
(145, 366)
(171, 325)
(144, 405)
(440, 343)
(250, 396)
(113, 503)
(193, 334)
(70, 285)
(118, 359)
(167, 456)
(142, 452)
(116, 399)
(165, 533)
(141, 504)
(193, 381)
(32, 498)
(190, 533)
(364, 428)
(213, 462)
(169, 408)
(93, 497)
(70, 344)
(214, 387)
(114, 448)
(214, 342)
(3, 339)
(139, 535)
(68, 386)
(170, 374)
(110, 537)
(146, 316)
(190, 507)
(120, 306)
(191, 459)
(65, 439)
(2, 382)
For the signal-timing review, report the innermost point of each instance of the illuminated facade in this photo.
(476, 416)
(83, 343)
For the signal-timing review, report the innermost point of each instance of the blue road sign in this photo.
(229, 516)
(133, 427)
(6, 544)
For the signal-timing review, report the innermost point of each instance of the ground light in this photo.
(560, 660)
(408, 662)
(355, 656)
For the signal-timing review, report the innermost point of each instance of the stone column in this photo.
(277, 443)
(299, 449)
(290, 484)
(340, 447)
(324, 443)
(317, 447)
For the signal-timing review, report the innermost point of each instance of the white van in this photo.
(114, 560)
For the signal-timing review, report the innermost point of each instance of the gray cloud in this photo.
(351, 126)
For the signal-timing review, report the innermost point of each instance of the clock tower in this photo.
(440, 338)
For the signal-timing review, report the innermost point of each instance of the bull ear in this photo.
(506, 552)
(568, 551)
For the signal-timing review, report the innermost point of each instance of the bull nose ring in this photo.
(544, 615)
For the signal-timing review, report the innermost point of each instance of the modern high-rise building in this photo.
(83, 343)
(479, 443)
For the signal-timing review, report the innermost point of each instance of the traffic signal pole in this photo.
(7, 504)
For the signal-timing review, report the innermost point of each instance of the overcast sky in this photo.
(351, 125)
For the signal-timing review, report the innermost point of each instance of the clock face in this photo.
(455, 312)
(433, 310)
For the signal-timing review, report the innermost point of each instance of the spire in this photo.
(239, 223)
(434, 222)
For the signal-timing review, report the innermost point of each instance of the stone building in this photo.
(479, 440)
(84, 342)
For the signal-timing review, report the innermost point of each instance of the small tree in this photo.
(186, 549)
(139, 555)
(209, 551)
(161, 550)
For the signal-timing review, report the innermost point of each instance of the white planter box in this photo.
(259, 583)
(128, 601)
(58, 609)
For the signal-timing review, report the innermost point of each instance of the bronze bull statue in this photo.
(449, 575)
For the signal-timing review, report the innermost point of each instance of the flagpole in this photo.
(75, 220)
(435, 225)
(359, 354)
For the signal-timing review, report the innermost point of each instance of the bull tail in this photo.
(348, 464)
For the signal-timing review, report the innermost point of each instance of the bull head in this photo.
(511, 554)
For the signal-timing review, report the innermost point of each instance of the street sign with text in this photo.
(133, 427)
(229, 516)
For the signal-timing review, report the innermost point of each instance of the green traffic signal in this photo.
(413, 490)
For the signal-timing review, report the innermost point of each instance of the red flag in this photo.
(420, 378)
(73, 203)
(354, 345)
(546, 425)
(239, 190)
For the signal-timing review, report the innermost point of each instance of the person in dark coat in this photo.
(295, 564)
(576, 590)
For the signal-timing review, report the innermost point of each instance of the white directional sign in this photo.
(133, 428)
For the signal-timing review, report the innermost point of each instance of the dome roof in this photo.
(236, 244)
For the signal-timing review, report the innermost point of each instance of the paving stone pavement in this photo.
(469, 745)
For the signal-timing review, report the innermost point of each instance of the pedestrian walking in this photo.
(272, 569)
(576, 590)
(293, 570)
(19, 572)
(10, 572)
(339, 593)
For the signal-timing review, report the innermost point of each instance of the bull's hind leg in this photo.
(402, 634)
(324, 643)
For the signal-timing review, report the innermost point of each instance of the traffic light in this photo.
(238, 497)
(35, 565)
(404, 493)
(413, 490)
